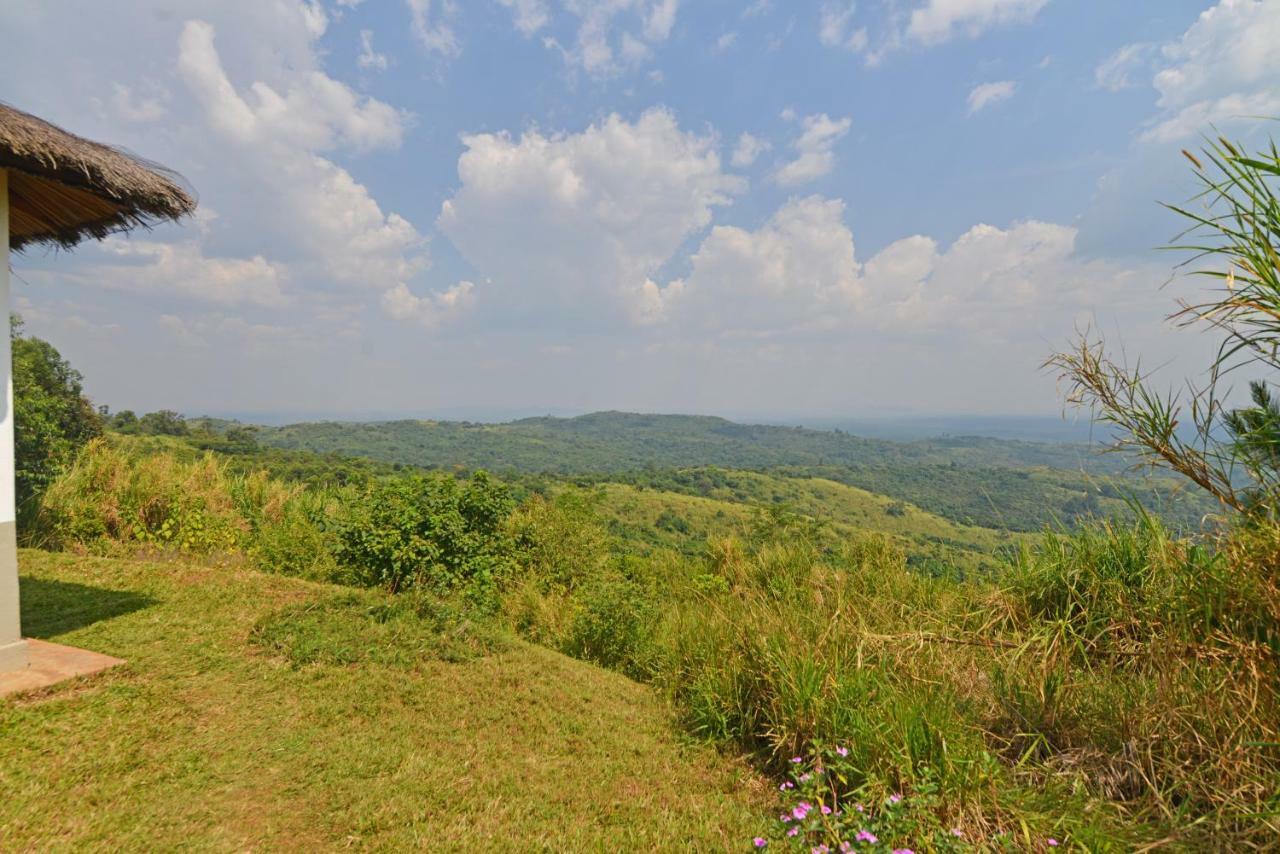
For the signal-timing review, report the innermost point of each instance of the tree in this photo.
(164, 422)
(52, 417)
(124, 421)
(1233, 454)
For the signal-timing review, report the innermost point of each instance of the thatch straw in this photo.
(64, 188)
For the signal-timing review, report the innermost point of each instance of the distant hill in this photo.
(995, 483)
(623, 441)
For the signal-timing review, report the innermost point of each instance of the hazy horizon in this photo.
(897, 426)
(734, 207)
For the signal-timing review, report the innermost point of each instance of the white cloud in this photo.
(773, 278)
(182, 269)
(748, 149)
(815, 156)
(430, 22)
(302, 205)
(529, 15)
(835, 26)
(580, 221)
(314, 18)
(1225, 67)
(612, 35)
(316, 112)
(986, 94)
(370, 58)
(939, 21)
(798, 273)
(1115, 72)
(431, 310)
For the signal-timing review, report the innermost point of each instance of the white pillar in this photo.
(13, 649)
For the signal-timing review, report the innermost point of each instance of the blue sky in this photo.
(752, 208)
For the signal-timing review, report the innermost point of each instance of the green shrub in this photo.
(432, 531)
(611, 627)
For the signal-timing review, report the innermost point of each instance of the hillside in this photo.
(261, 712)
(1004, 484)
(685, 521)
(621, 441)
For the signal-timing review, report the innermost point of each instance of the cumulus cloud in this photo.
(748, 150)
(581, 221)
(815, 156)
(939, 21)
(316, 112)
(779, 275)
(431, 310)
(1224, 67)
(799, 273)
(986, 94)
(319, 212)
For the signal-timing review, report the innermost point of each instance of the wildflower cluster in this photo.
(823, 813)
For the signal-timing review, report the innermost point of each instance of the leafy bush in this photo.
(52, 417)
(430, 531)
(611, 627)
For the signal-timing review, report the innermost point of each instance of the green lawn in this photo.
(208, 739)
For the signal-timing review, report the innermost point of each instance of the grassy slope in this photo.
(849, 510)
(205, 741)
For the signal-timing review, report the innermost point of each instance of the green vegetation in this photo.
(906, 678)
(1019, 486)
(52, 417)
(263, 712)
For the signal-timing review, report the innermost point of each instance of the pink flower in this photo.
(784, 818)
(793, 831)
(893, 799)
(867, 836)
(796, 760)
(826, 810)
(843, 751)
(957, 832)
(801, 810)
(846, 847)
(903, 851)
(820, 849)
(760, 842)
(804, 778)
(859, 808)
(1053, 843)
(786, 785)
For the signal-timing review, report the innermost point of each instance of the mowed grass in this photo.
(209, 739)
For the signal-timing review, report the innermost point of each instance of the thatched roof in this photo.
(64, 188)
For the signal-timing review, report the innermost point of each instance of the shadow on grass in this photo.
(52, 608)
